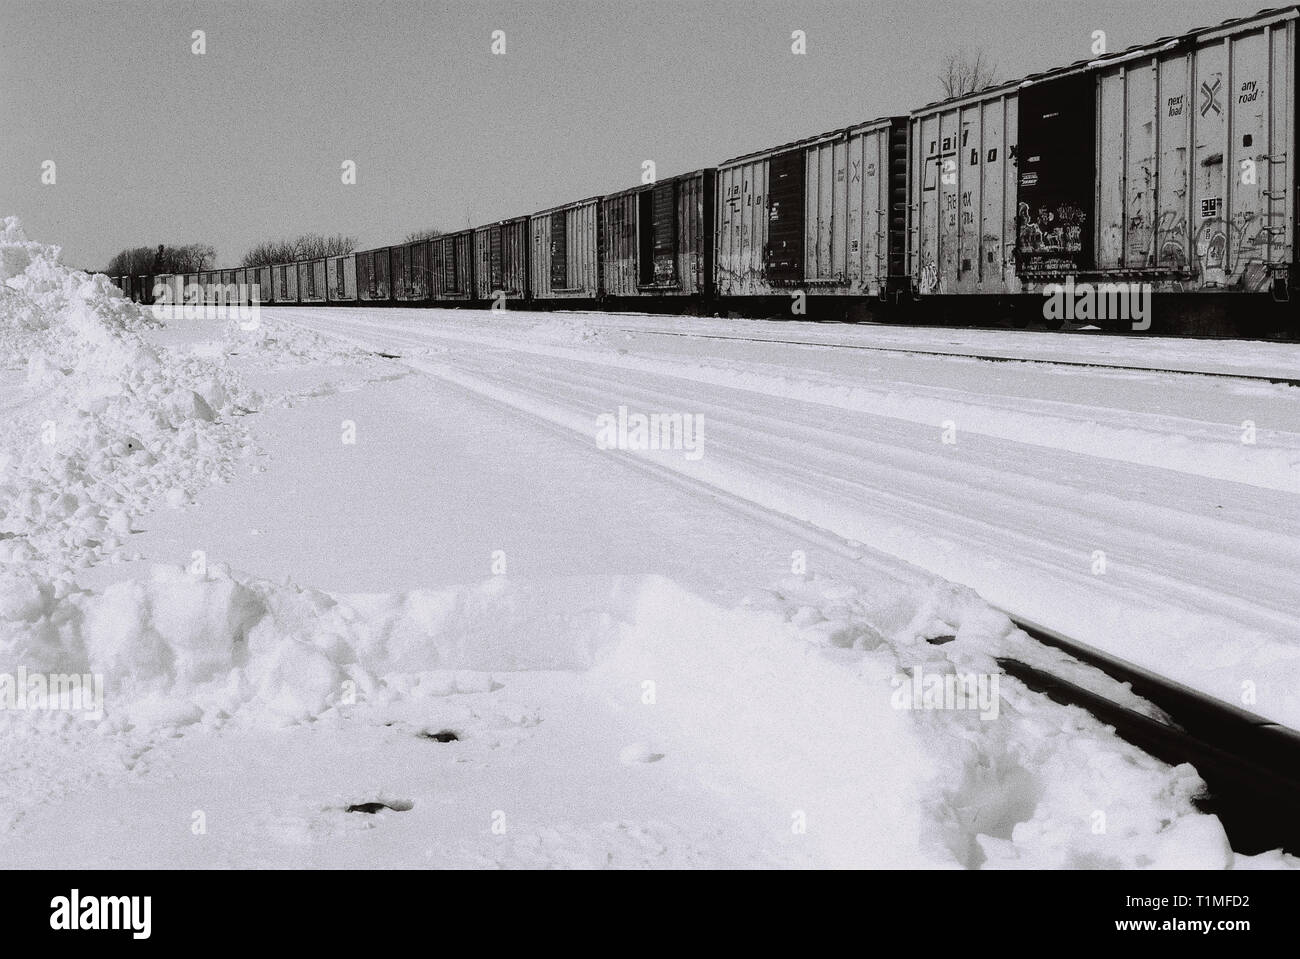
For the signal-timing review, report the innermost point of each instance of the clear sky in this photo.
(153, 143)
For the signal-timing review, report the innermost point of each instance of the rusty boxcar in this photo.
(311, 281)
(501, 260)
(451, 266)
(564, 252)
(657, 240)
(409, 270)
(341, 279)
(286, 283)
(825, 216)
(261, 282)
(962, 207)
(372, 276)
(1195, 155)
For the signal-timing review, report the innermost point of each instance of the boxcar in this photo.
(825, 216)
(657, 240)
(962, 230)
(1163, 172)
(259, 284)
(409, 268)
(373, 276)
(285, 277)
(1195, 159)
(341, 279)
(564, 252)
(451, 263)
(311, 281)
(501, 260)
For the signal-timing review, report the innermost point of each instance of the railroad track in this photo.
(1251, 766)
(984, 357)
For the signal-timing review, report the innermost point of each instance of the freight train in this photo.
(1150, 190)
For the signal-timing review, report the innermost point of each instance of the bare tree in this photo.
(269, 252)
(194, 257)
(314, 246)
(139, 259)
(309, 246)
(966, 72)
(416, 235)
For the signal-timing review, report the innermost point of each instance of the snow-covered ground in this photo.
(311, 576)
(1153, 516)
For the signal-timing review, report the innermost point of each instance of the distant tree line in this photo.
(196, 257)
(309, 246)
(140, 260)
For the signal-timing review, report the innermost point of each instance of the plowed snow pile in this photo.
(105, 426)
(791, 703)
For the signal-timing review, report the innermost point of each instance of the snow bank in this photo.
(180, 647)
(105, 426)
(789, 703)
(813, 725)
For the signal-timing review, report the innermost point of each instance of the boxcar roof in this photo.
(567, 206)
(506, 222)
(663, 179)
(808, 141)
(1133, 52)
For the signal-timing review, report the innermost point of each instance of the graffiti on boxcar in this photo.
(929, 282)
(1058, 230)
(1163, 243)
(1222, 252)
(1239, 251)
(1169, 240)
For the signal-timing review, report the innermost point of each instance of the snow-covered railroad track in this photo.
(1250, 765)
(983, 357)
(1194, 529)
